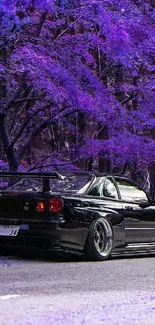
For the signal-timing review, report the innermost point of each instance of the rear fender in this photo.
(115, 222)
(113, 218)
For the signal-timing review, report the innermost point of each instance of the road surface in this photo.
(39, 291)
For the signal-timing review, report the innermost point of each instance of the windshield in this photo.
(73, 183)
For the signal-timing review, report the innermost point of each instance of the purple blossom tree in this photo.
(77, 81)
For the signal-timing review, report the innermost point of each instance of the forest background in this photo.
(77, 86)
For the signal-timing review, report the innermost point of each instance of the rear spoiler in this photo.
(33, 175)
(44, 175)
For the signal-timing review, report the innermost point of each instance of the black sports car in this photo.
(83, 213)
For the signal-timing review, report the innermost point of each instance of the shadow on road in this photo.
(37, 255)
(30, 254)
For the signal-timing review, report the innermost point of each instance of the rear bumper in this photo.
(58, 239)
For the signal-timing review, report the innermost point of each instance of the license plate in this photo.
(8, 230)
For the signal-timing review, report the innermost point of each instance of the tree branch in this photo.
(40, 26)
(99, 131)
(38, 130)
(43, 159)
(22, 84)
(26, 99)
(26, 123)
(65, 30)
(132, 96)
(19, 112)
(53, 164)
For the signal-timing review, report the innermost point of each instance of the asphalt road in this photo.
(39, 291)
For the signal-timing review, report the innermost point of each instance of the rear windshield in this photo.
(74, 183)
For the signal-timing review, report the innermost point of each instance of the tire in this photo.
(99, 242)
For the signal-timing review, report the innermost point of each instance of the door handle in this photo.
(128, 208)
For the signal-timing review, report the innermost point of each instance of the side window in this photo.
(130, 191)
(96, 190)
(109, 189)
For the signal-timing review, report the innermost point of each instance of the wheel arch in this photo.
(114, 221)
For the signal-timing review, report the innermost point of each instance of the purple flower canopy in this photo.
(69, 69)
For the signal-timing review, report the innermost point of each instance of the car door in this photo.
(138, 211)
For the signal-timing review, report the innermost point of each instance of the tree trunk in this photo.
(81, 130)
(1, 147)
(89, 164)
(152, 183)
(8, 148)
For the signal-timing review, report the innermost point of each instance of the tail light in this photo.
(56, 204)
(41, 206)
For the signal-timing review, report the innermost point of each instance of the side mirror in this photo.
(145, 204)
